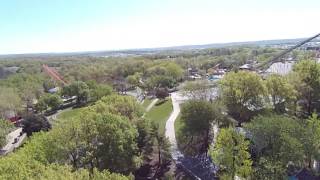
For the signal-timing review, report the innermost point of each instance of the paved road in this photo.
(12, 143)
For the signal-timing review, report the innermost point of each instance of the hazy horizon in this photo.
(75, 26)
(151, 48)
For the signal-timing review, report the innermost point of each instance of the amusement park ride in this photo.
(278, 58)
(54, 74)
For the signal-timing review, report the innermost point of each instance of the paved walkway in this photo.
(14, 141)
(151, 104)
(170, 132)
(200, 168)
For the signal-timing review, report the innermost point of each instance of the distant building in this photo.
(53, 90)
(247, 67)
(192, 71)
(281, 68)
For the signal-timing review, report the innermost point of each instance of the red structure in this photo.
(53, 74)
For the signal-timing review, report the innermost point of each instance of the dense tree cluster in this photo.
(199, 116)
(52, 101)
(109, 135)
(246, 94)
(280, 142)
(231, 154)
(278, 135)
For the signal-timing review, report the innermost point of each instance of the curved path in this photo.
(151, 104)
(198, 168)
(170, 132)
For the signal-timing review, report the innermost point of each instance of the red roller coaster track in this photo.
(53, 74)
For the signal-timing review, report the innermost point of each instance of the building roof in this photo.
(53, 90)
(245, 66)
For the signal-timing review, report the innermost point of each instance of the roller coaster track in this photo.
(279, 56)
(53, 74)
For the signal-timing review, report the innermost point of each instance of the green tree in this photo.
(9, 101)
(200, 90)
(144, 140)
(198, 117)
(118, 150)
(19, 166)
(160, 81)
(41, 105)
(122, 105)
(100, 91)
(134, 79)
(231, 153)
(49, 100)
(48, 84)
(5, 128)
(163, 145)
(174, 70)
(309, 73)
(79, 89)
(28, 86)
(96, 140)
(281, 92)
(243, 93)
(311, 139)
(34, 123)
(276, 139)
(54, 101)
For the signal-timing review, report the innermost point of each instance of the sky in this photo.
(38, 26)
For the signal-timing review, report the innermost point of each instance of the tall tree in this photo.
(100, 91)
(276, 139)
(5, 128)
(311, 139)
(309, 89)
(162, 144)
(79, 89)
(9, 102)
(34, 123)
(243, 93)
(95, 140)
(199, 117)
(281, 93)
(49, 100)
(123, 105)
(199, 90)
(231, 153)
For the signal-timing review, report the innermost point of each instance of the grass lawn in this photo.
(178, 127)
(160, 113)
(72, 113)
(146, 103)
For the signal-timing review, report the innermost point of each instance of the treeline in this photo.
(269, 127)
(109, 136)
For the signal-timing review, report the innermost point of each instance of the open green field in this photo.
(72, 113)
(160, 113)
(146, 103)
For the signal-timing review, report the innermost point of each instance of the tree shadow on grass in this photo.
(160, 102)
